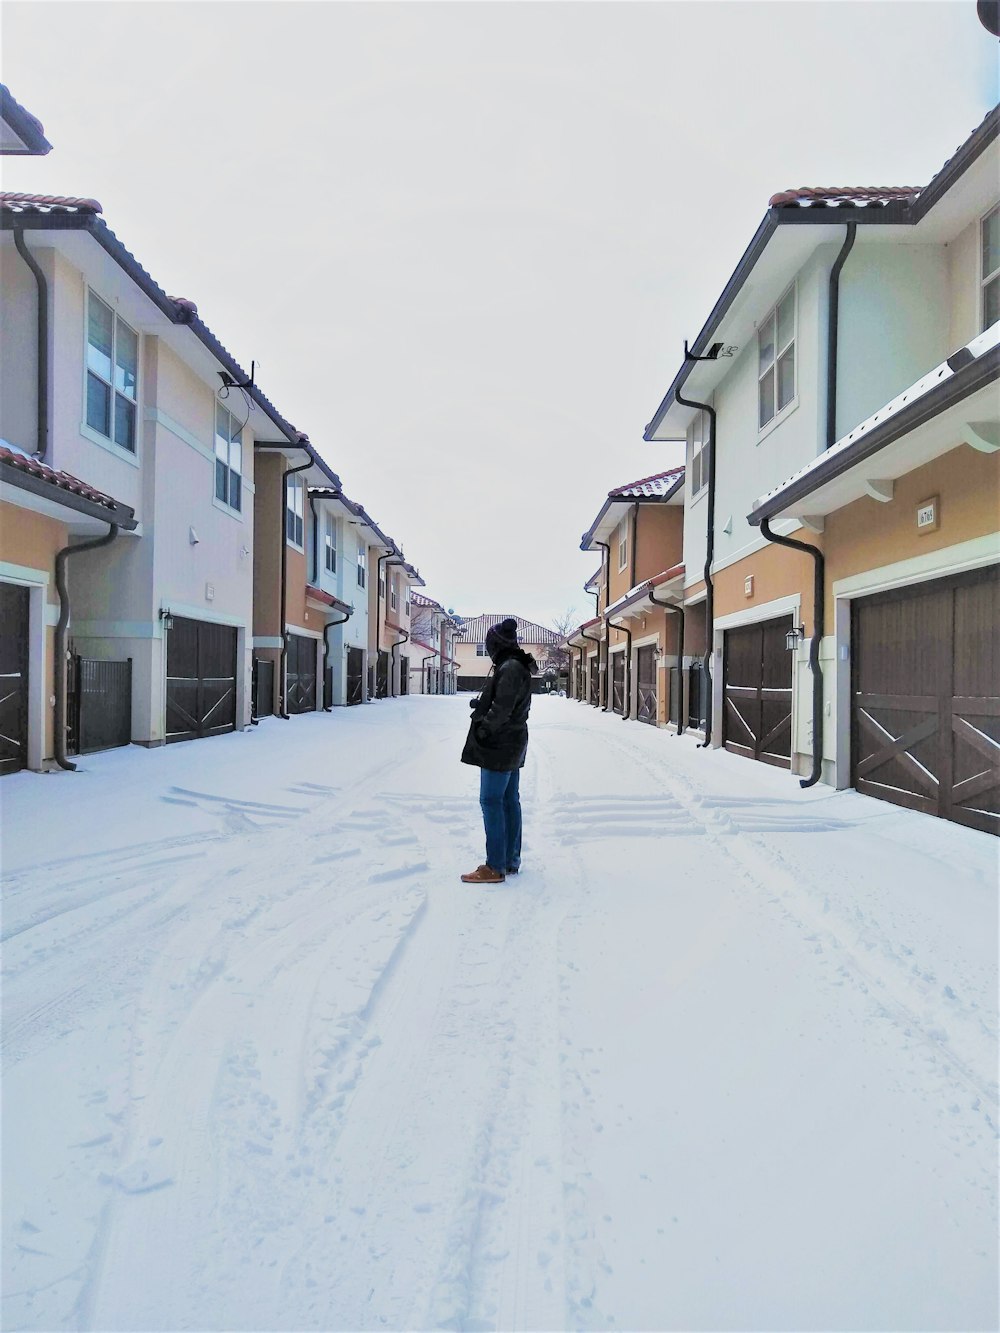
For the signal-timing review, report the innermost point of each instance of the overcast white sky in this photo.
(465, 242)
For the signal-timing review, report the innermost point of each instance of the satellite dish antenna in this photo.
(989, 15)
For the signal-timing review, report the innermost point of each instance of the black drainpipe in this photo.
(283, 660)
(709, 559)
(392, 659)
(62, 588)
(315, 541)
(606, 691)
(583, 663)
(591, 639)
(819, 624)
(42, 367)
(628, 669)
(424, 678)
(832, 335)
(331, 624)
(679, 612)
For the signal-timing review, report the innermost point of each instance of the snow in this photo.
(723, 1056)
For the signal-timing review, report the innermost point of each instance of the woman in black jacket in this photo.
(497, 743)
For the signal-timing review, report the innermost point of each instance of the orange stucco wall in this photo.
(268, 534)
(776, 572)
(868, 534)
(659, 541)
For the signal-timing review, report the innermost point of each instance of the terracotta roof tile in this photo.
(832, 195)
(64, 481)
(47, 203)
(649, 487)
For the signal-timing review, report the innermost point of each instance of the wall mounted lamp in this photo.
(794, 637)
(166, 618)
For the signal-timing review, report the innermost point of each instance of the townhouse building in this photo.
(109, 380)
(839, 412)
(432, 639)
(630, 657)
(389, 621)
(470, 646)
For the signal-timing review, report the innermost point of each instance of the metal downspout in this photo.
(331, 624)
(315, 540)
(283, 712)
(627, 713)
(709, 560)
(591, 639)
(423, 668)
(819, 625)
(393, 659)
(378, 617)
(42, 366)
(604, 687)
(583, 662)
(679, 612)
(62, 588)
(832, 337)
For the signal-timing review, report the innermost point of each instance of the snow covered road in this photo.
(723, 1056)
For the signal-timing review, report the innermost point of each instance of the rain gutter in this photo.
(678, 609)
(331, 624)
(819, 624)
(709, 559)
(627, 704)
(42, 354)
(62, 588)
(590, 639)
(832, 334)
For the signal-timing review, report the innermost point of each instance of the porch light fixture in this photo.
(166, 619)
(794, 637)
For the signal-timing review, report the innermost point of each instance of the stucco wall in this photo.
(268, 523)
(963, 260)
(659, 540)
(18, 360)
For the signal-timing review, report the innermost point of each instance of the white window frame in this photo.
(108, 438)
(226, 462)
(362, 564)
(330, 544)
(698, 454)
(779, 413)
(622, 544)
(393, 596)
(406, 601)
(295, 510)
(480, 649)
(986, 279)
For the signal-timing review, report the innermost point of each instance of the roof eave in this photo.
(964, 382)
(122, 515)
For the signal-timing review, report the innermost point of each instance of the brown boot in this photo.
(483, 875)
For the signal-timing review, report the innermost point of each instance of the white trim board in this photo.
(306, 633)
(974, 554)
(781, 606)
(24, 574)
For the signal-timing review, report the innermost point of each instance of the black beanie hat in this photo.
(502, 635)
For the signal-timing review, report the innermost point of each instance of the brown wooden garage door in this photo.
(926, 711)
(757, 692)
(201, 679)
(13, 677)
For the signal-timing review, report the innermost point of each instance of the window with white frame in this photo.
(991, 267)
(294, 524)
(699, 447)
(622, 544)
(330, 545)
(228, 458)
(480, 649)
(776, 360)
(112, 374)
(362, 564)
(406, 599)
(393, 596)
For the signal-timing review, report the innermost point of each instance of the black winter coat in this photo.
(498, 736)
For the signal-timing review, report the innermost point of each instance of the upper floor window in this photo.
(228, 458)
(112, 374)
(622, 545)
(480, 649)
(362, 565)
(991, 267)
(393, 598)
(776, 360)
(330, 545)
(700, 448)
(294, 525)
(406, 600)
(381, 583)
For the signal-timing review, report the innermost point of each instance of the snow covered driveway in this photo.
(723, 1056)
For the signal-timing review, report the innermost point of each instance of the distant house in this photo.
(470, 645)
(432, 639)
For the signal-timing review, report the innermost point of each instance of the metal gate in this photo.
(595, 681)
(646, 684)
(697, 697)
(926, 698)
(355, 676)
(13, 677)
(263, 687)
(382, 675)
(300, 675)
(404, 675)
(618, 682)
(757, 692)
(101, 712)
(201, 679)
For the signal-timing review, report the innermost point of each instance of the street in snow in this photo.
(723, 1056)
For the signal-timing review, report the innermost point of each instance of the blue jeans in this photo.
(500, 798)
